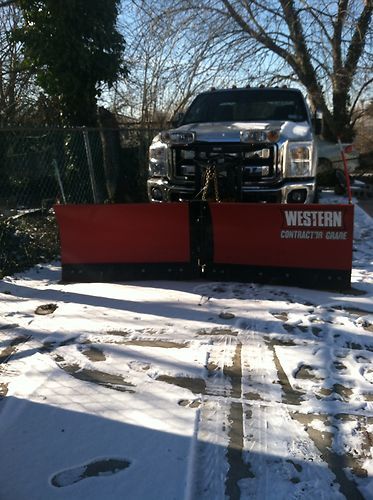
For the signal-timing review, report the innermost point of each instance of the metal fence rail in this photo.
(40, 166)
(43, 166)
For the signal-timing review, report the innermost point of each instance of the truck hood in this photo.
(230, 131)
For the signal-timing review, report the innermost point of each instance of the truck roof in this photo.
(256, 89)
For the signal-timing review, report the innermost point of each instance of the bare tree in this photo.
(171, 61)
(6, 3)
(323, 45)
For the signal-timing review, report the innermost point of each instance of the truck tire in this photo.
(325, 174)
(340, 185)
(324, 166)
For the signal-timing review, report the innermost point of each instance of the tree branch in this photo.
(6, 3)
(261, 36)
(356, 100)
(358, 39)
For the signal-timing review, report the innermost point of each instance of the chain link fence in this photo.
(40, 167)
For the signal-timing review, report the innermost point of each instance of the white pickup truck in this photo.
(249, 145)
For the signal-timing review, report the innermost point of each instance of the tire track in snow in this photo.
(208, 466)
(263, 445)
(238, 469)
(337, 463)
(218, 466)
(283, 458)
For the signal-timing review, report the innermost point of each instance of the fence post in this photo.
(90, 165)
(59, 180)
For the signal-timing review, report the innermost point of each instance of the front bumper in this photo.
(291, 191)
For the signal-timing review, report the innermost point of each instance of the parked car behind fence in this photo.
(330, 169)
(330, 158)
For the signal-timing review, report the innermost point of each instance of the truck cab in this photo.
(245, 145)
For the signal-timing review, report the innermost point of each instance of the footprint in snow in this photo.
(97, 468)
(195, 403)
(226, 315)
(46, 309)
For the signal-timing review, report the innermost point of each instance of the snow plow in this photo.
(232, 191)
(297, 244)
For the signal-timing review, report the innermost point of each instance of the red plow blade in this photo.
(304, 245)
(124, 242)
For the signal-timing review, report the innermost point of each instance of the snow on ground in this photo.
(171, 390)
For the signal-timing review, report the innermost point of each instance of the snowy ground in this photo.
(165, 390)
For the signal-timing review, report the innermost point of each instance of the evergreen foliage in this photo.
(74, 49)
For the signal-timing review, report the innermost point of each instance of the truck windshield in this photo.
(247, 105)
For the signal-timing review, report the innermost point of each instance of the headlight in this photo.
(158, 160)
(255, 135)
(178, 138)
(299, 160)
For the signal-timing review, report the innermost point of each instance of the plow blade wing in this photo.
(125, 242)
(304, 245)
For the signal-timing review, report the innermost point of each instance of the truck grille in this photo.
(249, 164)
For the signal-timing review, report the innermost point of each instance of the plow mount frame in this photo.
(288, 244)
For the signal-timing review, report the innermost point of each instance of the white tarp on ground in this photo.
(186, 390)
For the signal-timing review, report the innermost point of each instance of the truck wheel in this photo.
(325, 173)
(340, 185)
(324, 166)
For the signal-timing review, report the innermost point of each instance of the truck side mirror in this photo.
(318, 122)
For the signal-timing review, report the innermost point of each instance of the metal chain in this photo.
(210, 175)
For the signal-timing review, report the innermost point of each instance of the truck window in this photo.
(247, 105)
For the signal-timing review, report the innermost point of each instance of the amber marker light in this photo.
(273, 135)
